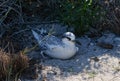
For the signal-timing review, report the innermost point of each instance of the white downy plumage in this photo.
(55, 47)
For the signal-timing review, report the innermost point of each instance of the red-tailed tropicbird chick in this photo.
(55, 47)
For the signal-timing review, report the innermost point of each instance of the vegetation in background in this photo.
(112, 17)
(80, 14)
(17, 16)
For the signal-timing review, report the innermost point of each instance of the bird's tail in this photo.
(37, 36)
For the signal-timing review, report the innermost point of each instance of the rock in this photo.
(96, 59)
(117, 41)
(84, 41)
(105, 45)
(91, 44)
(93, 33)
(107, 38)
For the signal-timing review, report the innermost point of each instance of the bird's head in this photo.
(69, 35)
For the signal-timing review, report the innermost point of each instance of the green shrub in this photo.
(80, 14)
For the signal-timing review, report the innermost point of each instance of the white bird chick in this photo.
(55, 47)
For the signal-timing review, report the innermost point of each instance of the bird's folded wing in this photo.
(55, 48)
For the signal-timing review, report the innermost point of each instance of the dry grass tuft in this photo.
(12, 65)
(5, 62)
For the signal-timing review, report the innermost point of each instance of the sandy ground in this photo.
(91, 63)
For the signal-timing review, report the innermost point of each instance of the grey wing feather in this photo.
(54, 40)
(39, 39)
(37, 36)
(48, 40)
